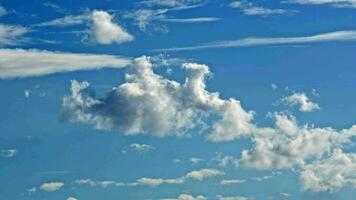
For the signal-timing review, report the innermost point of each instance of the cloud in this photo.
(232, 198)
(331, 174)
(203, 173)
(169, 3)
(3, 11)
(183, 106)
(102, 29)
(301, 100)
(187, 197)
(11, 35)
(72, 198)
(141, 147)
(249, 8)
(337, 36)
(31, 190)
(289, 145)
(51, 186)
(8, 153)
(153, 182)
(194, 160)
(335, 3)
(33, 62)
(191, 20)
(146, 16)
(232, 181)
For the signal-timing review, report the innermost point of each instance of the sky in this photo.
(177, 100)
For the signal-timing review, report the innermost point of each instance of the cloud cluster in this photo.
(102, 28)
(331, 174)
(301, 100)
(33, 62)
(249, 8)
(139, 105)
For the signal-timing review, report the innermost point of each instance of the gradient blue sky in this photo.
(285, 71)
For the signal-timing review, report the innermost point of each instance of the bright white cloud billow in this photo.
(102, 28)
(104, 31)
(183, 106)
(51, 186)
(32, 62)
(302, 101)
(337, 36)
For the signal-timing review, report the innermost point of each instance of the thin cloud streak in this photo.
(254, 41)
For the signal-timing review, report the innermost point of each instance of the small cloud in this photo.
(31, 190)
(27, 93)
(232, 181)
(141, 147)
(274, 86)
(8, 153)
(51, 186)
(72, 198)
(301, 100)
(195, 160)
(3, 11)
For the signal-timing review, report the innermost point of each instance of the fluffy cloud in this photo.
(249, 8)
(104, 31)
(203, 173)
(72, 198)
(32, 62)
(8, 153)
(301, 100)
(51, 186)
(11, 35)
(253, 41)
(183, 106)
(331, 174)
(289, 145)
(336, 3)
(102, 28)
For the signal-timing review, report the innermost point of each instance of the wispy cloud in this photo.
(33, 62)
(335, 3)
(192, 20)
(249, 8)
(3, 11)
(8, 153)
(11, 35)
(337, 36)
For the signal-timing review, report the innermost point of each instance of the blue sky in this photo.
(177, 99)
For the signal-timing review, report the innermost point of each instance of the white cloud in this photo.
(8, 153)
(249, 8)
(32, 62)
(335, 3)
(331, 174)
(3, 11)
(203, 173)
(263, 178)
(141, 147)
(194, 160)
(191, 20)
(232, 181)
(72, 198)
(31, 190)
(301, 100)
(169, 3)
(337, 36)
(274, 86)
(104, 31)
(27, 93)
(183, 106)
(51, 186)
(288, 145)
(232, 198)
(103, 184)
(158, 181)
(11, 35)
